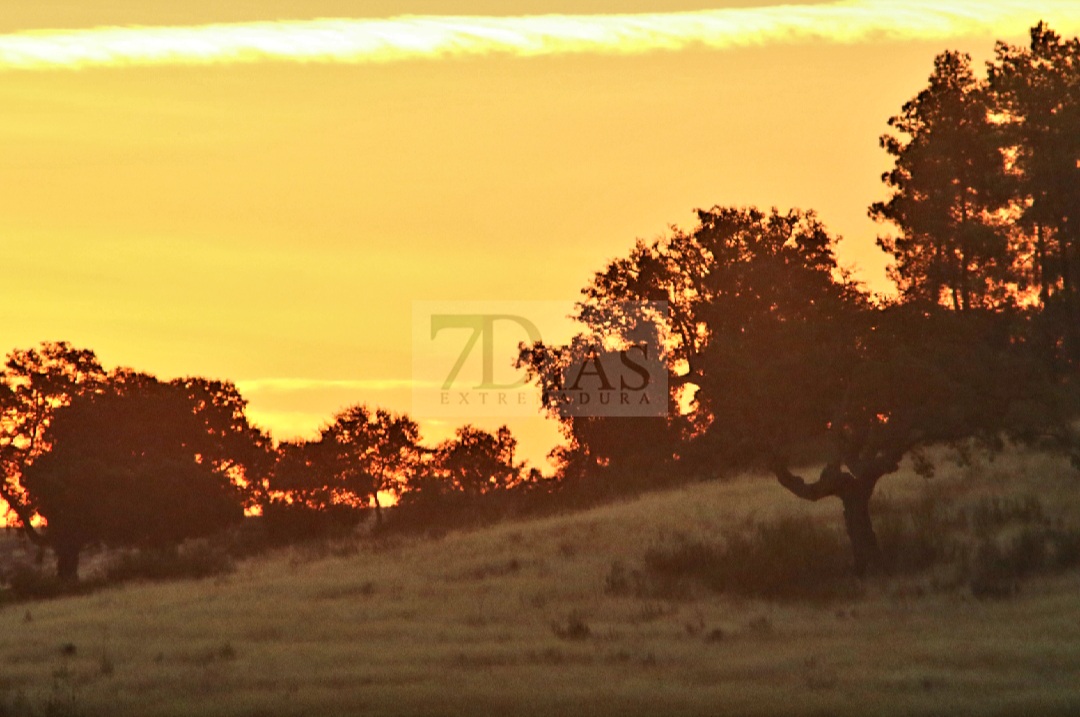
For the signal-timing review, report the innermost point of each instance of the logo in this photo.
(465, 356)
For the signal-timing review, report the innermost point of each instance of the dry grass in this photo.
(515, 620)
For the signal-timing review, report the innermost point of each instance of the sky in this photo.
(263, 191)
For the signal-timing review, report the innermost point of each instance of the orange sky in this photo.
(273, 223)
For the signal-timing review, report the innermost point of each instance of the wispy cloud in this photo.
(432, 37)
(285, 385)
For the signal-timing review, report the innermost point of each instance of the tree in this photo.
(229, 443)
(139, 463)
(476, 462)
(742, 287)
(920, 379)
(365, 452)
(947, 187)
(296, 475)
(1036, 93)
(34, 384)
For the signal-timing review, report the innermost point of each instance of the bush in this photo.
(285, 523)
(24, 582)
(914, 538)
(997, 566)
(198, 559)
(991, 514)
(790, 558)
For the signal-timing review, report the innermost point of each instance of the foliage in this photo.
(121, 458)
(1036, 93)
(361, 453)
(790, 558)
(984, 188)
(197, 559)
(947, 186)
(283, 522)
(34, 384)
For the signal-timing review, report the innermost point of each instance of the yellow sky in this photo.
(273, 223)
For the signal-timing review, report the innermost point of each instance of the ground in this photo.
(519, 619)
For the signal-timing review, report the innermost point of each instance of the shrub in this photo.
(199, 559)
(25, 582)
(991, 514)
(790, 558)
(913, 538)
(285, 523)
(998, 565)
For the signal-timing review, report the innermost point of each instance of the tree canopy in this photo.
(121, 458)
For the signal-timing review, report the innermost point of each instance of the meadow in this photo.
(538, 617)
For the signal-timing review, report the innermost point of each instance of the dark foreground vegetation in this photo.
(777, 359)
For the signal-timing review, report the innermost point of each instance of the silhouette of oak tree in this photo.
(140, 462)
(367, 451)
(34, 384)
(477, 462)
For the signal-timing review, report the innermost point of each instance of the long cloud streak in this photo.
(287, 385)
(431, 37)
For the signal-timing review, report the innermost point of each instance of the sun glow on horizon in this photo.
(434, 37)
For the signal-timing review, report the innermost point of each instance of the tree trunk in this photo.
(67, 562)
(855, 494)
(860, 530)
(378, 510)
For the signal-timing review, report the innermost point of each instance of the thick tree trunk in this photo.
(378, 510)
(865, 551)
(855, 494)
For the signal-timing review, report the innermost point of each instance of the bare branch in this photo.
(833, 481)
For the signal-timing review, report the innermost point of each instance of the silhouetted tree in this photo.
(606, 451)
(365, 452)
(301, 498)
(301, 475)
(34, 384)
(1036, 93)
(754, 299)
(947, 187)
(106, 458)
(140, 463)
(477, 462)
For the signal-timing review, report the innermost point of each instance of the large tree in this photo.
(365, 452)
(1036, 94)
(476, 461)
(140, 462)
(947, 186)
(34, 384)
(94, 457)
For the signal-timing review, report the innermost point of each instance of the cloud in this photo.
(434, 37)
(288, 385)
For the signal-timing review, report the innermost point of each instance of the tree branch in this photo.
(833, 481)
(24, 513)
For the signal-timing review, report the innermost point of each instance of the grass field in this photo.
(518, 619)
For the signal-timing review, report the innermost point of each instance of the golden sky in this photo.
(222, 209)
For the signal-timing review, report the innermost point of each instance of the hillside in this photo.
(520, 619)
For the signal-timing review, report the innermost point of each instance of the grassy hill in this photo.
(533, 618)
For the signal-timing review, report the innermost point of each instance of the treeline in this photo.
(120, 458)
(775, 356)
